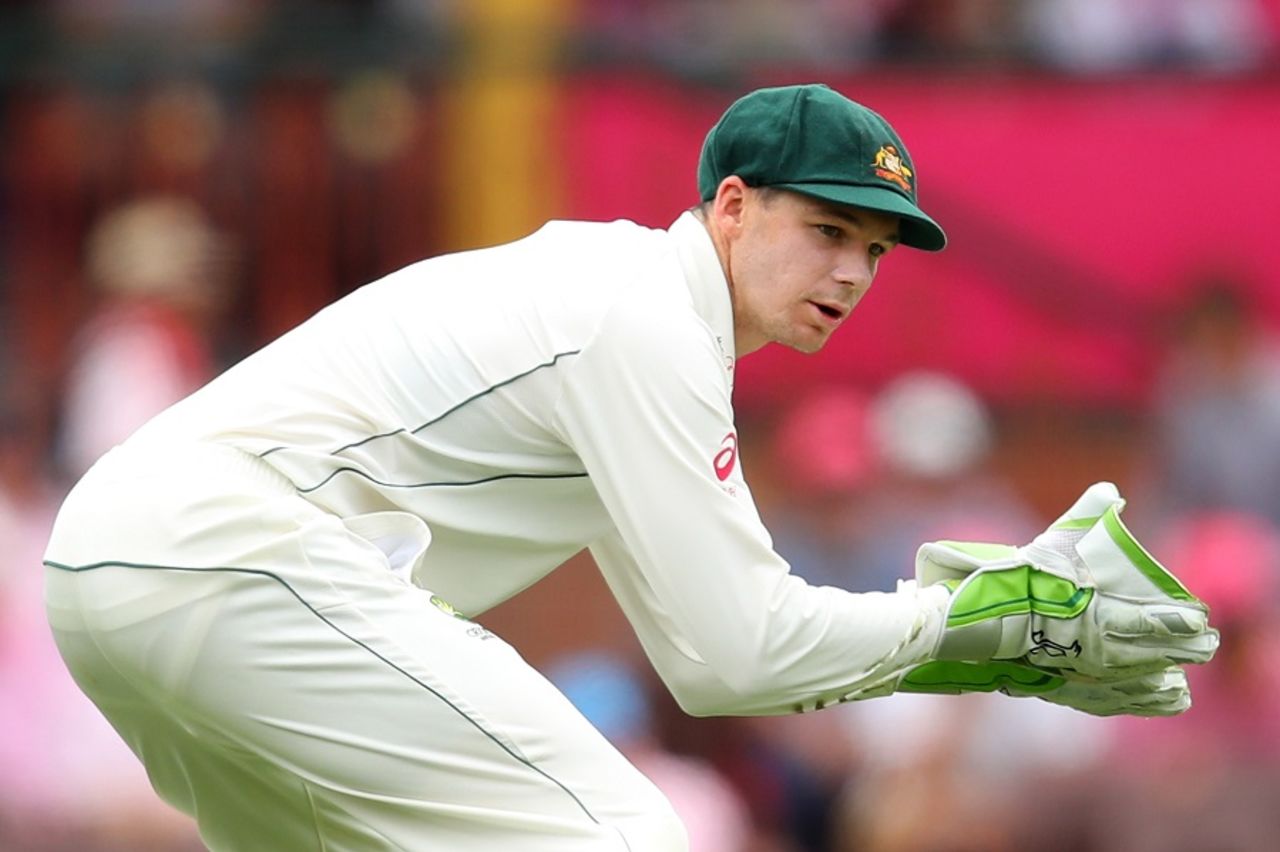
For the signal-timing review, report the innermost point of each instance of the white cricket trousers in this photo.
(288, 689)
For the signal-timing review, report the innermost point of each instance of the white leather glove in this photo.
(1084, 599)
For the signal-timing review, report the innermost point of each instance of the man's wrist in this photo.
(934, 601)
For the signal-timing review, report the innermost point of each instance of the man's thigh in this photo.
(310, 692)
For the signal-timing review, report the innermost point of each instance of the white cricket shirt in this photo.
(571, 389)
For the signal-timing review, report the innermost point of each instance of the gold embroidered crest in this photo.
(889, 166)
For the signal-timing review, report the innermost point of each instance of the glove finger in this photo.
(1122, 658)
(1134, 634)
(1054, 550)
(1117, 658)
(1162, 693)
(1171, 678)
(1164, 704)
(1059, 645)
(1158, 619)
(1090, 505)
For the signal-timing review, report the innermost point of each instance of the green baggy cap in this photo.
(814, 140)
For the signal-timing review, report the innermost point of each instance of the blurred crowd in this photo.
(145, 282)
(697, 37)
(1076, 36)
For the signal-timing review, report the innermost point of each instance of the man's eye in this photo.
(830, 231)
(876, 250)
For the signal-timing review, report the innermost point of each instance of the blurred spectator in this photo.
(1218, 408)
(808, 760)
(168, 28)
(160, 270)
(69, 783)
(915, 792)
(931, 427)
(614, 699)
(1231, 560)
(1108, 36)
(951, 31)
(969, 774)
(867, 480)
(936, 437)
(827, 465)
(1207, 779)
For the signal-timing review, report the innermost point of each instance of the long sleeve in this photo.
(728, 627)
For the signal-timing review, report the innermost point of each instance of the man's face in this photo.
(797, 267)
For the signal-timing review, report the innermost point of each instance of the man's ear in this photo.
(729, 205)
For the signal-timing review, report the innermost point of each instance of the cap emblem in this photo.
(889, 166)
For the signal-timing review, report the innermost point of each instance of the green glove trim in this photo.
(1016, 591)
(953, 677)
(1075, 524)
(1145, 562)
(1163, 693)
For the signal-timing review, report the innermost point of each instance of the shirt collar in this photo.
(706, 280)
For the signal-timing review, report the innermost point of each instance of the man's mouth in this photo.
(831, 312)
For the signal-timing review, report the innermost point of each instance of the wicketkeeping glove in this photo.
(1083, 599)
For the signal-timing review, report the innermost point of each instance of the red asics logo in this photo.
(725, 459)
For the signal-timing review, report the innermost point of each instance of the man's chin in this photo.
(810, 341)
(806, 347)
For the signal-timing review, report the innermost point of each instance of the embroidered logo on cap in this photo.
(889, 166)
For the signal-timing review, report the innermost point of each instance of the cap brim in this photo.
(916, 229)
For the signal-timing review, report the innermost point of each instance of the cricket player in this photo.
(268, 589)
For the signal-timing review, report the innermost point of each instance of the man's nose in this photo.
(856, 270)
